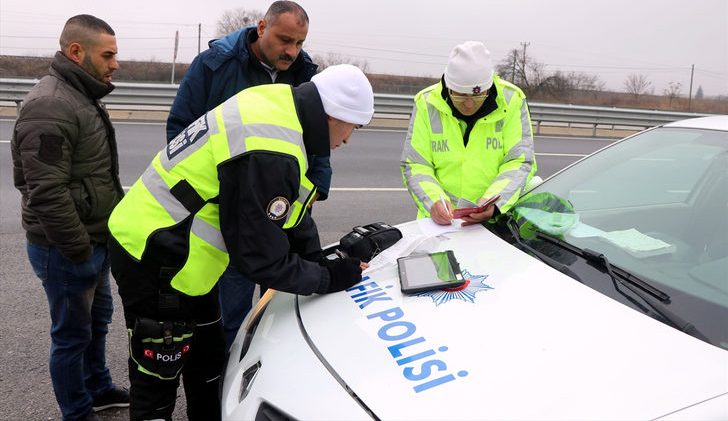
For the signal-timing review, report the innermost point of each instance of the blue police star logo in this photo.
(474, 285)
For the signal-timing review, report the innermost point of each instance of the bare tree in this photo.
(513, 68)
(234, 19)
(335, 58)
(532, 76)
(672, 91)
(637, 84)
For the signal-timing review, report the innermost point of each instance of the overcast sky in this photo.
(608, 38)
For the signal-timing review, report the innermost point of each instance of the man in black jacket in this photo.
(66, 166)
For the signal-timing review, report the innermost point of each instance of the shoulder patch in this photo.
(190, 135)
(278, 208)
(51, 148)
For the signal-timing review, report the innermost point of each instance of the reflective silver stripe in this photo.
(212, 129)
(218, 320)
(526, 126)
(304, 193)
(517, 178)
(408, 139)
(208, 233)
(410, 155)
(413, 184)
(408, 151)
(508, 94)
(516, 181)
(272, 131)
(234, 128)
(435, 121)
(525, 145)
(159, 190)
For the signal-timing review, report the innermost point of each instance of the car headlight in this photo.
(254, 318)
(248, 377)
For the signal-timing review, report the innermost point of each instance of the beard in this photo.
(89, 67)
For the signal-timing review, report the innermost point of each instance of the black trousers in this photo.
(140, 285)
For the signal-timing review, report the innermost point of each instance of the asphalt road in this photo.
(366, 188)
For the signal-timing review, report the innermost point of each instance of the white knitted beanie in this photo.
(469, 69)
(345, 93)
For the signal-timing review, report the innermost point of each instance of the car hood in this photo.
(522, 341)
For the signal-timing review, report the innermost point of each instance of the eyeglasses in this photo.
(459, 97)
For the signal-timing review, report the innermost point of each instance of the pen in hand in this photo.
(444, 203)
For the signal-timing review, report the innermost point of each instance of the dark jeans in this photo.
(79, 298)
(236, 299)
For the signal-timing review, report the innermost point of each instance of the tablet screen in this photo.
(423, 272)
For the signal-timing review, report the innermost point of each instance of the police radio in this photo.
(367, 241)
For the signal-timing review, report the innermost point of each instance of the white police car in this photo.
(602, 295)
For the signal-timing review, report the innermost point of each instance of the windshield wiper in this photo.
(659, 308)
(624, 275)
(565, 269)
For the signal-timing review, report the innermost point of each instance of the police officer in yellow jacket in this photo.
(230, 187)
(469, 139)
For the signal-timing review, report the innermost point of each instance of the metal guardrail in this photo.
(161, 95)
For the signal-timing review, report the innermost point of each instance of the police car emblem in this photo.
(475, 284)
(278, 208)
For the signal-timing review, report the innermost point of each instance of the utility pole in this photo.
(513, 71)
(524, 45)
(199, 36)
(174, 57)
(690, 94)
(524, 81)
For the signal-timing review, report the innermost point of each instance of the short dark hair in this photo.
(284, 6)
(81, 29)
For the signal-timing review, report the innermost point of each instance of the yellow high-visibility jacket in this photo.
(499, 157)
(181, 185)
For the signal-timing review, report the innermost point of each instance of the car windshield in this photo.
(655, 204)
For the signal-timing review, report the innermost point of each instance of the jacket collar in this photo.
(313, 120)
(77, 77)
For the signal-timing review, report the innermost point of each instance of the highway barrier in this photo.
(159, 96)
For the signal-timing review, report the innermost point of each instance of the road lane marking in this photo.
(368, 189)
(346, 189)
(576, 155)
(561, 154)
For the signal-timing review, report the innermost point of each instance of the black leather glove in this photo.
(344, 273)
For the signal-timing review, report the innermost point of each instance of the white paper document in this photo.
(431, 228)
(404, 247)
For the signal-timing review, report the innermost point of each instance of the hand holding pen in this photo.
(441, 211)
